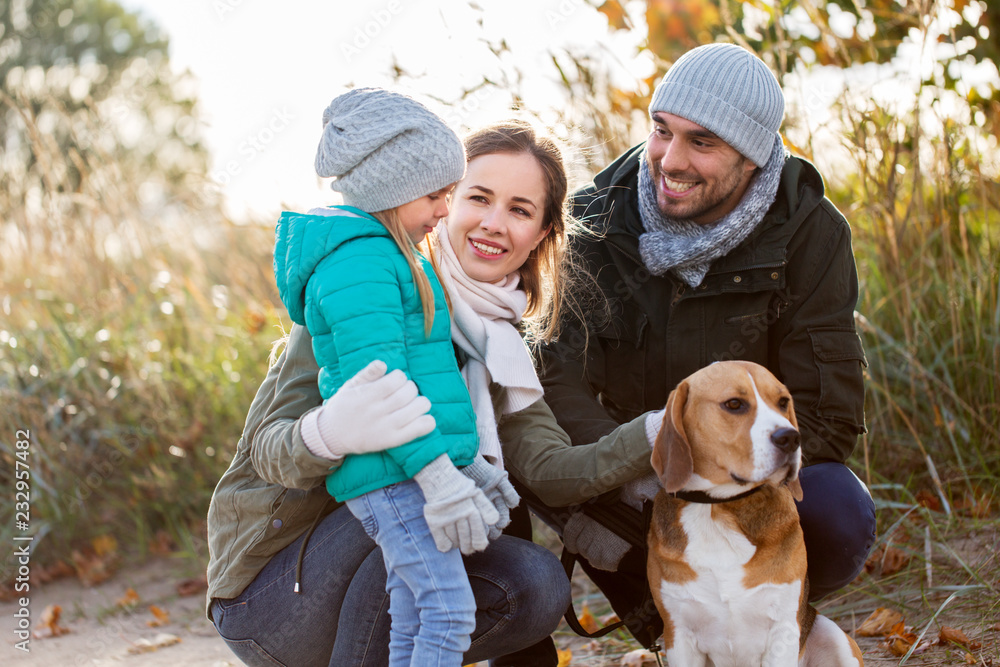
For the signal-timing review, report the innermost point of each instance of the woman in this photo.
(507, 223)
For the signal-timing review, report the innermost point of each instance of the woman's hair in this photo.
(390, 219)
(542, 274)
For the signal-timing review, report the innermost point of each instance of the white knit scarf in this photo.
(690, 248)
(483, 322)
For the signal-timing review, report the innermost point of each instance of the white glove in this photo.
(495, 484)
(458, 513)
(588, 538)
(372, 411)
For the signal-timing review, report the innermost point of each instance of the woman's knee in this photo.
(520, 587)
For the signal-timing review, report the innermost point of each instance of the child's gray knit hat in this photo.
(728, 91)
(385, 149)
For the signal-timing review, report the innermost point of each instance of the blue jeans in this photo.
(430, 600)
(837, 515)
(341, 618)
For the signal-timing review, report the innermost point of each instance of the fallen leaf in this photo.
(130, 599)
(48, 623)
(161, 617)
(952, 635)
(148, 646)
(927, 499)
(899, 640)
(104, 545)
(638, 658)
(898, 646)
(92, 567)
(587, 620)
(57, 570)
(609, 619)
(189, 587)
(880, 622)
(893, 560)
(564, 657)
(976, 502)
(970, 659)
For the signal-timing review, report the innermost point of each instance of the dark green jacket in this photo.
(784, 298)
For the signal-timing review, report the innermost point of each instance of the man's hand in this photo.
(586, 537)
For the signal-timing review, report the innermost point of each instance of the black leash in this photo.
(632, 527)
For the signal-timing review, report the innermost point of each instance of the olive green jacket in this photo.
(274, 488)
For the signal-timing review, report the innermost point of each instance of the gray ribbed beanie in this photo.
(729, 91)
(386, 149)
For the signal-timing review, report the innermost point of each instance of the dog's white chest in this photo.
(715, 615)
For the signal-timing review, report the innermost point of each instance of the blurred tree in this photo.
(842, 33)
(97, 132)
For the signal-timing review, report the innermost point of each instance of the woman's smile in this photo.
(486, 248)
(497, 214)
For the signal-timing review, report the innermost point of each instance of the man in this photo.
(711, 243)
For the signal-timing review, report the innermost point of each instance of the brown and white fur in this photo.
(729, 578)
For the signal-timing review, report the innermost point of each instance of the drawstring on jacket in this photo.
(305, 541)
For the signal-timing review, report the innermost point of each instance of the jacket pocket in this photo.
(292, 511)
(840, 358)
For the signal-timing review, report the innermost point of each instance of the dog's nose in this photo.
(786, 439)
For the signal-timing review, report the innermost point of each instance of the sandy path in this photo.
(101, 632)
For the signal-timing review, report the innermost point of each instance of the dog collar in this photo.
(705, 499)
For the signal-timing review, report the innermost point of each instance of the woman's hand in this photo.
(495, 485)
(372, 411)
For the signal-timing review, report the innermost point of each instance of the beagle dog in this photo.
(727, 561)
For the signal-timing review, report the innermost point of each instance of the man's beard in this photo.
(716, 196)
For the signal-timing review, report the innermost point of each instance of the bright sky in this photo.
(266, 74)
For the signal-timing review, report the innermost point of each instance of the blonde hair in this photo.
(544, 273)
(391, 221)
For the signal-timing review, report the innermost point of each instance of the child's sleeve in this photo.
(358, 292)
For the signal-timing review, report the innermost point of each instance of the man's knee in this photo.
(838, 521)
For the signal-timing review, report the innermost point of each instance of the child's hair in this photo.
(390, 219)
(542, 274)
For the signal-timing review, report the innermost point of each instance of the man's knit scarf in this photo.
(689, 248)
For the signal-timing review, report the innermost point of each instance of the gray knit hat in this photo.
(386, 149)
(728, 91)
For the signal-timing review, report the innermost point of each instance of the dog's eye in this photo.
(783, 402)
(735, 405)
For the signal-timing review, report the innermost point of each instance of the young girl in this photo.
(352, 276)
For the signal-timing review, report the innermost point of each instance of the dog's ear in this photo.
(671, 458)
(796, 488)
